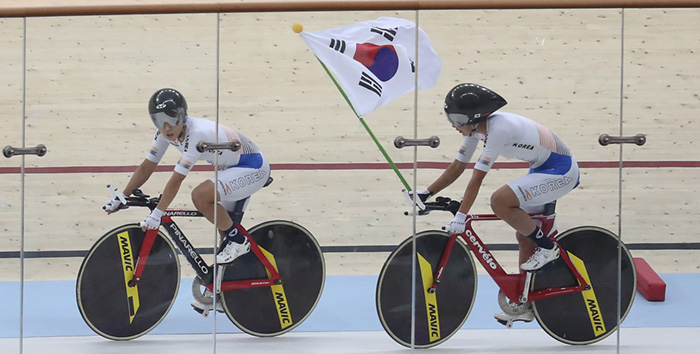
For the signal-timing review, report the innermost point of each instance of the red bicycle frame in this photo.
(512, 285)
(274, 276)
(194, 259)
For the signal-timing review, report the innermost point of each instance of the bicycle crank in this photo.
(203, 298)
(512, 308)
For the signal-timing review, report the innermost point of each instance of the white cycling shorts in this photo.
(242, 181)
(546, 184)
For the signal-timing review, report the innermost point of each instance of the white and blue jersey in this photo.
(553, 169)
(243, 172)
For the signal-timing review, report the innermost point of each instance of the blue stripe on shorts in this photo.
(250, 161)
(556, 164)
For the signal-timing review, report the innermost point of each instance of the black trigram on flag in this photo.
(388, 33)
(369, 83)
(338, 45)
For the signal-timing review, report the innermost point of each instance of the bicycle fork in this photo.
(143, 256)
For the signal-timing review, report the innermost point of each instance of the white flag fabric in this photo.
(375, 60)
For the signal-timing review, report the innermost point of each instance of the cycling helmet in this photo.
(167, 106)
(471, 104)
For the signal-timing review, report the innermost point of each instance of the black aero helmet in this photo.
(167, 106)
(471, 103)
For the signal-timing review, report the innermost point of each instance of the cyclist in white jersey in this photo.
(242, 172)
(473, 110)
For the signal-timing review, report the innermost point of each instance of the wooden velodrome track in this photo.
(88, 80)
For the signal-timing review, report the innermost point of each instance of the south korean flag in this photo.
(374, 61)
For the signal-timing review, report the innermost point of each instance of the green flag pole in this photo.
(386, 156)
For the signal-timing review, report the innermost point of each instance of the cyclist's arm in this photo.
(498, 139)
(149, 164)
(140, 176)
(456, 168)
(170, 191)
(451, 173)
(472, 190)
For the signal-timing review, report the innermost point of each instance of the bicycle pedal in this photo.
(507, 324)
(201, 311)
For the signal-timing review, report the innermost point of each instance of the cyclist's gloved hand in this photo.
(458, 223)
(423, 195)
(114, 205)
(152, 221)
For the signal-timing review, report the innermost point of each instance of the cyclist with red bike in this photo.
(473, 110)
(242, 172)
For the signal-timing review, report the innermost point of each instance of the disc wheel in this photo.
(438, 315)
(274, 310)
(111, 306)
(589, 316)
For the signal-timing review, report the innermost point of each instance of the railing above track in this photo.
(33, 8)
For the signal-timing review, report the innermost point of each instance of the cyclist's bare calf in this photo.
(525, 247)
(506, 205)
(235, 244)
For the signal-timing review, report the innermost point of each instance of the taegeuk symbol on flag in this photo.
(375, 60)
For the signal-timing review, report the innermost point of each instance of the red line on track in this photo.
(348, 166)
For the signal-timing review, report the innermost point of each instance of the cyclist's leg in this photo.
(525, 245)
(521, 312)
(233, 184)
(203, 199)
(541, 186)
(506, 204)
(535, 250)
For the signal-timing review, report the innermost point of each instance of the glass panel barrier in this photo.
(87, 94)
(659, 199)
(330, 177)
(11, 187)
(559, 68)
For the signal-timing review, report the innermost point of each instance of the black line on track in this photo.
(679, 246)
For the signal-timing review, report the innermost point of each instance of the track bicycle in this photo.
(129, 279)
(574, 298)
